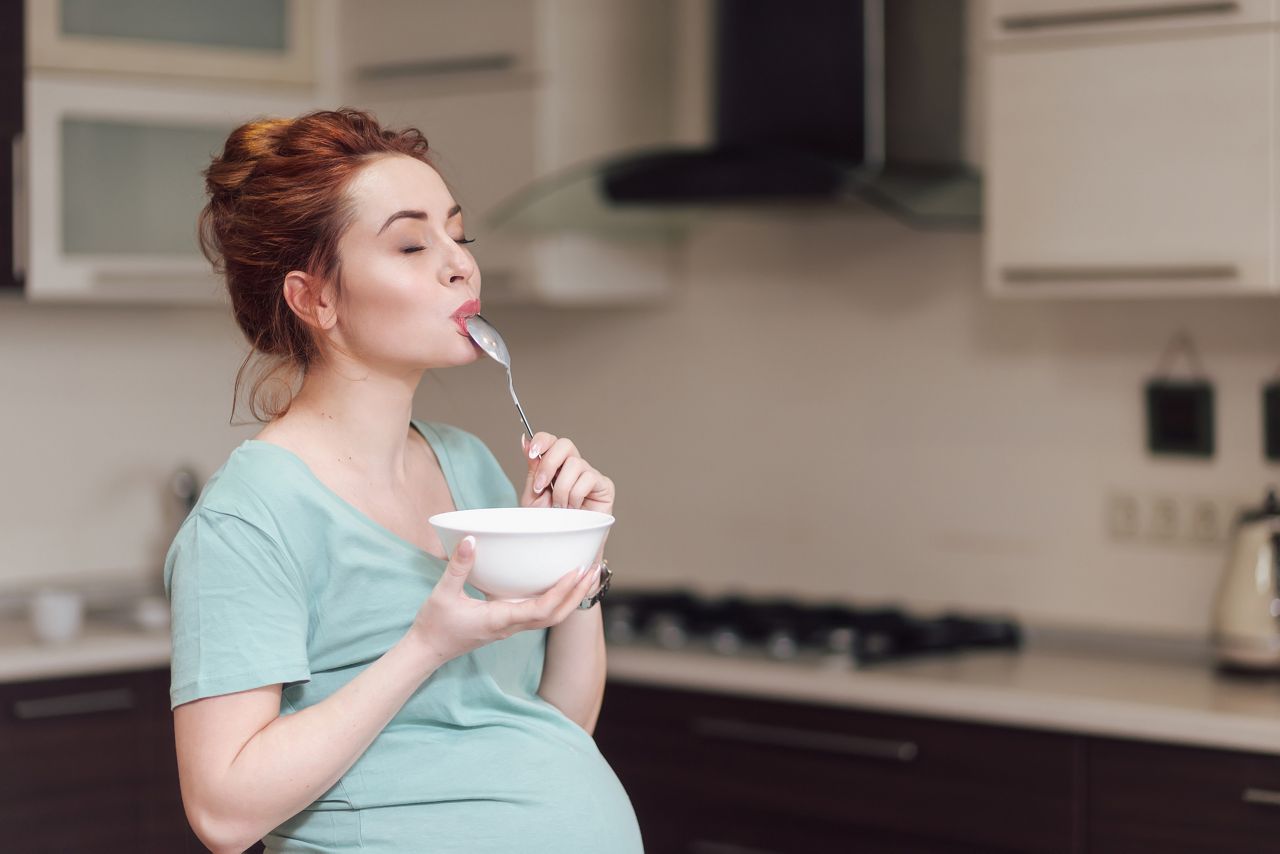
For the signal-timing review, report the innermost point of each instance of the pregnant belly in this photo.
(503, 793)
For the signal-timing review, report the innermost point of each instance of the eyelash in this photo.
(412, 249)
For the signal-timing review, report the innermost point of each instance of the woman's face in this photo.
(408, 280)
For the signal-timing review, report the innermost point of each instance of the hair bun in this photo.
(246, 146)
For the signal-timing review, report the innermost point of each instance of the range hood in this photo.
(815, 102)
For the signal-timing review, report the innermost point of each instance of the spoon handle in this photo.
(511, 385)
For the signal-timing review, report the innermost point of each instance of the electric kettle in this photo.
(1246, 616)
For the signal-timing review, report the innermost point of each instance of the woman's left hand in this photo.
(561, 477)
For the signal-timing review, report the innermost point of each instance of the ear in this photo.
(311, 299)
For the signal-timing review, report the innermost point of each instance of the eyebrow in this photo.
(407, 214)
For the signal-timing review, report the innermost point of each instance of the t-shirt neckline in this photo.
(446, 467)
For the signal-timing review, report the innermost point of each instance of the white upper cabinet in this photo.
(437, 44)
(1139, 163)
(251, 40)
(114, 187)
(1031, 19)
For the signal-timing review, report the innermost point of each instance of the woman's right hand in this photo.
(451, 623)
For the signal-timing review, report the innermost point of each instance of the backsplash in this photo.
(828, 406)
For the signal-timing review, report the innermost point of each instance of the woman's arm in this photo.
(245, 768)
(574, 671)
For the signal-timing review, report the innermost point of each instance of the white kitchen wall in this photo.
(828, 406)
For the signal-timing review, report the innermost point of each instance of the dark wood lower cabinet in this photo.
(87, 766)
(1148, 797)
(713, 774)
(709, 773)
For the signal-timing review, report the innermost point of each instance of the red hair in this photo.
(278, 202)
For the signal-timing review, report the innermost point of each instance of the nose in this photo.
(460, 266)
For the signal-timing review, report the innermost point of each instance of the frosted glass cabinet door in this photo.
(263, 40)
(114, 187)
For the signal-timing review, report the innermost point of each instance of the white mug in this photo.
(56, 615)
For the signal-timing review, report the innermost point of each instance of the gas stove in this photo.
(783, 629)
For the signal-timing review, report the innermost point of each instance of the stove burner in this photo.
(784, 629)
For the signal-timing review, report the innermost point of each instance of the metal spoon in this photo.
(488, 340)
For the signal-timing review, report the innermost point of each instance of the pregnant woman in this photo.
(337, 684)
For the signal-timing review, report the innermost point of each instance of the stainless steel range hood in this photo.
(816, 102)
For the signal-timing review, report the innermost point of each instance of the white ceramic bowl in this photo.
(522, 551)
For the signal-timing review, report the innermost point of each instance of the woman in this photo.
(336, 684)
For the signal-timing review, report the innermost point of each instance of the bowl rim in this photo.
(440, 520)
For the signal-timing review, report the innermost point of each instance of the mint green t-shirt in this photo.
(274, 578)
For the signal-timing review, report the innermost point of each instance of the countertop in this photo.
(1117, 693)
(105, 646)
(1100, 690)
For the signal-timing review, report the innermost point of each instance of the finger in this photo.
(566, 479)
(552, 459)
(575, 596)
(533, 450)
(455, 574)
(536, 612)
(541, 441)
(583, 486)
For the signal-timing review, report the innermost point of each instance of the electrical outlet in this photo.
(1162, 519)
(1122, 516)
(1167, 519)
(1206, 520)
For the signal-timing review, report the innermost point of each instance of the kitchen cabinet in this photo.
(1130, 149)
(717, 773)
(12, 69)
(268, 41)
(88, 766)
(1147, 797)
(713, 773)
(1026, 20)
(114, 185)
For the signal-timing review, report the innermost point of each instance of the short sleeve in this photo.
(240, 612)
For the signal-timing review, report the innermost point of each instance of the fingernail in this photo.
(467, 547)
(533, 451)
(583, 571)
(539, 483)
(524, 440)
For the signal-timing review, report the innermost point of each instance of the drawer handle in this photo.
(801, 739)
(68, 705)
(436, 67)
(1136, 273)
(1262, 797)
(1086, 17)
(706, 846)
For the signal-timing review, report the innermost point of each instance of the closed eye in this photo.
(409, 250)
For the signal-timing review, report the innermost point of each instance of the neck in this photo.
(358, 418)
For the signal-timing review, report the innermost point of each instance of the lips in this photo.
(467, 309)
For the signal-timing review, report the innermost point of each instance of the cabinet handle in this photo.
(68, 705)
(1087, 17)
(18, 161)
(436, 67)
(707, 846)
(801, 739)
(1262, 797)
(1132, 273)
